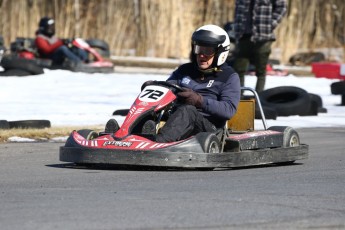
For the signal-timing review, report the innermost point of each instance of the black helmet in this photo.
(46, 26)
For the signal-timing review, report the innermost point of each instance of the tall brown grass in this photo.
(45, 134)
(162, 28)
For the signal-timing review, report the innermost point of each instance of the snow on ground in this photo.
(71, 99)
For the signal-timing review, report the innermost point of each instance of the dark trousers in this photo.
(75, 55)
(255, 53)
(184, 122)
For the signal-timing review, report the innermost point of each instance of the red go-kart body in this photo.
(223, 149)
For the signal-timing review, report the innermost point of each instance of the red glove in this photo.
(191, 98)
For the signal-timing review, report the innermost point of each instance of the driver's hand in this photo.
(67, 42)
(191, 97)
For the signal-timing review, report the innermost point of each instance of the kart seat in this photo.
(243, 120)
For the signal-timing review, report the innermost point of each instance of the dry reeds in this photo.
(163, 28)
(42, 134)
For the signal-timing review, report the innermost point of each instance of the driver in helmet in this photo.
(51, 47)
(211, 89)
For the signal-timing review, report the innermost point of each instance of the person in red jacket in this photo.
(51, 47)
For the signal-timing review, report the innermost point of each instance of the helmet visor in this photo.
(204, 50)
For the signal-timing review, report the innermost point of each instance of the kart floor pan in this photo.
(183, 160)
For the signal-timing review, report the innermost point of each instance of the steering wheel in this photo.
(170, 85)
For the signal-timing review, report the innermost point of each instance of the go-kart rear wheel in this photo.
(214, 145)
(290, 139)
(88, 134)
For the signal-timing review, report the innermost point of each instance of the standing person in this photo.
(254, 24)
(51, 47)
(211, 89)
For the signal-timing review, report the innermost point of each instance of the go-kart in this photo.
(25, 48)
(236, 145)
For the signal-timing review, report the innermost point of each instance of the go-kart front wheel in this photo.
(88, 134)
(290, 139)
(209, 142)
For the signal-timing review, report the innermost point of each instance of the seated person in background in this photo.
(49, 46)
(211, 89)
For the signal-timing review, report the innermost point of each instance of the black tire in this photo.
(318, 104)
(338, 88)
(14, 72)
(103, 53)
(286, 100)
(12, 62)
(270, 113)
(97, 43)
(209, 142)
(313, 109)
(317, 99)
(26, 124)
(4, 124)
(88, 134)
(315, 104)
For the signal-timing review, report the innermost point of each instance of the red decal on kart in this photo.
(142, 145)
(94, 143)
(254, 134)
(158, 145)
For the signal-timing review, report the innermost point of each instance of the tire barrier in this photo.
(14, 72)
(4, 124)
(26, 124)
(286, 100)
(15, 63)
(338, 88)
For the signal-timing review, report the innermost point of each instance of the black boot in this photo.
(149, 128)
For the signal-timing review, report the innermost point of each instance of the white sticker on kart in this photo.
(153, 93)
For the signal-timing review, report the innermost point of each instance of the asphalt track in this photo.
(37, 191)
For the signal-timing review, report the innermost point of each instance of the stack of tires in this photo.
(289, 101)
(338, 88)
(16, 66)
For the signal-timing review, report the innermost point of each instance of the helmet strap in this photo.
(210, 70)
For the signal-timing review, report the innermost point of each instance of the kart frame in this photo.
(250, 148)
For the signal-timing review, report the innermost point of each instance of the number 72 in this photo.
(152, 94)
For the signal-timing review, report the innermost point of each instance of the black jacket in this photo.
(220, 90)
